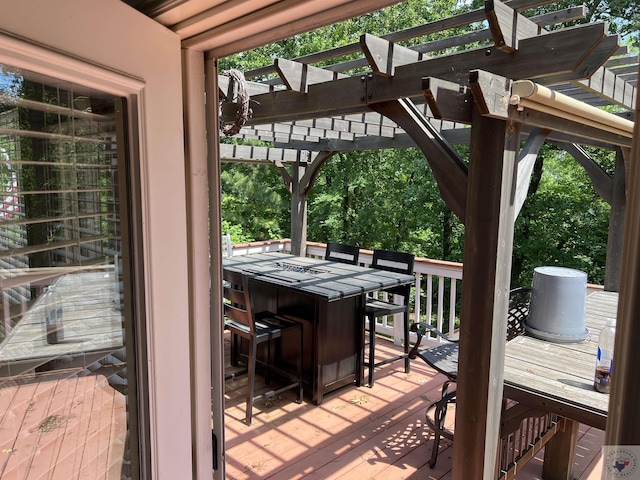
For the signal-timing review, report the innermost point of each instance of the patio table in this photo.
(328, 299)
(558, 378)
(93, 326)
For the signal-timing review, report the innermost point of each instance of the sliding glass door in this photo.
(68, 399)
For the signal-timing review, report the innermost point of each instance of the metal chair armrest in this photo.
(421, 329)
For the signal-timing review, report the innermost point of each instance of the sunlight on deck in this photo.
(358, 433)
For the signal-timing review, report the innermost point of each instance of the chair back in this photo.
(398, 262)
(237, 302)
(519, 300)
(340, 252)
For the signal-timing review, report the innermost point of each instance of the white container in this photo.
(557, 310)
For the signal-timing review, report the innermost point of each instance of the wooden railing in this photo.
(435, 296)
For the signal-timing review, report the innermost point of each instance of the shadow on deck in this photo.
(358, 433)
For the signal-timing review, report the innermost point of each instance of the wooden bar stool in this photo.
(398, 262)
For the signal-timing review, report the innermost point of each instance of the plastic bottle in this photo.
(50, 317)
(604, 362)
(57, 305)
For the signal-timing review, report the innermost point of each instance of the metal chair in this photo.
(398, 262)
(443, 357)
(340, 252)
(263, 327)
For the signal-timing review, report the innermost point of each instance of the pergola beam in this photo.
(566, 15)
(508, 27)
(298, 76)
(436, 26)
(447, 100)
(526, 162)
(560, 55)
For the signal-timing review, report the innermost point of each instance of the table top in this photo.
(559, 377)
(324, 278)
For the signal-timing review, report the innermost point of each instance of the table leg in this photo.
(560, 452)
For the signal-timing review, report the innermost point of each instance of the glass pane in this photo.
(63, 382)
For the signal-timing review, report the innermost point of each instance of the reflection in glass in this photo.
(63, 382)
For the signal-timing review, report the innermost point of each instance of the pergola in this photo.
(419, 96)
(525, 83)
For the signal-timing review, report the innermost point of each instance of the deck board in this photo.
(63, 428)
(359, 433)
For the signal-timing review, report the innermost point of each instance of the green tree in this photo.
(254, 197)
(563, 222)
(389, 198)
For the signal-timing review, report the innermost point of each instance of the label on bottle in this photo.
(603, 355)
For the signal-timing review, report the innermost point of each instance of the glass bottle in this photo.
(53, 315)
(50, 317)
(57, 305)
(604, 361)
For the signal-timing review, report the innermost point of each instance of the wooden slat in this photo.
(30, 411)
(507, 26)
(563, 52)
(298, 76)
(379, 433)
(407, 34)
(51, 430)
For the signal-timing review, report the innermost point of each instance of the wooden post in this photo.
(623, 422)
(298, 210)
(613, 264)
(560, 452)
(483, 316)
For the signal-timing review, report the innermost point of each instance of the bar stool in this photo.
(257, 328)
(399, 262)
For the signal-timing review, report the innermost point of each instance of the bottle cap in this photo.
(611, 322)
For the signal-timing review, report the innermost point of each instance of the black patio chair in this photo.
(399, 262)
(443, 357)
(263, 327)
(340, 252)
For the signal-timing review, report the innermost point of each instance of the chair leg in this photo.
(300, 392)
(234, 349)
(270, 358)
(251, 370)
(372, 348)
(407, 367)
(440, 415)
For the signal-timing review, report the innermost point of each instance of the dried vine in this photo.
(241, 99)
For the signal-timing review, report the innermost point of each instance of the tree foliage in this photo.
(389, 198)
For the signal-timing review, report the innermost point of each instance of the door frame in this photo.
(128, 55)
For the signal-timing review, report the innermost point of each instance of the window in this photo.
(66, 375)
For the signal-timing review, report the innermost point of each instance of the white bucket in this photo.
(557, 309)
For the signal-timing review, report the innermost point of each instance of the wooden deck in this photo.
(62, 429)
(358, 433)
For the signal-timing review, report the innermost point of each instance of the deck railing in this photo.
(436, 293)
